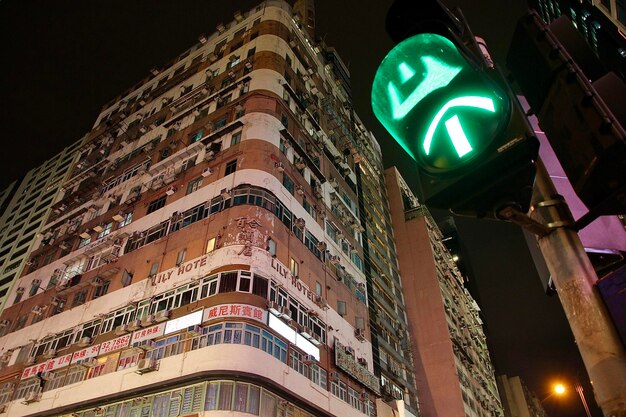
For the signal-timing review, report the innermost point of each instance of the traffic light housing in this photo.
(453, 114)
(580, 107)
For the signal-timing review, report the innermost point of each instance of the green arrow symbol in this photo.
(453, 125)
(438, 75)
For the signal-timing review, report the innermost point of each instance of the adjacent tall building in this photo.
(222, 244)
(24, 207)
(454, 373)
(517, 399)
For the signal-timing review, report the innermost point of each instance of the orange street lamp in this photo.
(560, 389)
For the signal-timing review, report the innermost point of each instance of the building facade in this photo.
(517, 399)
(24, 207)
(208, 252)
(453, 369)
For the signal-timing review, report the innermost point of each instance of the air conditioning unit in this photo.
(202, 39)
(274, 308)
(118, 217)
(4, 408)
(50, 353)
(84, 342)
(333, 259)
(359, 334)
(4, 323)
(30, 360)
(333, 376)
(209, 155)
(280, 167)
(300, 222)
(96, 282)
(37, 310)
(32, 397)
(121, 330)
(300, 190)
(362, 362)
(149, 320)
(162, 316)
(134, 325)
(98, 228)
(284, 312)
(195, 329)
(20, 290)
(85, 235)
(350, 351)
(206, 172)
(170, 190)
(309, 359)
(146, 365)
(226, 194)
(321, 246)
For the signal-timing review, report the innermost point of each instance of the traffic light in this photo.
(452, 113)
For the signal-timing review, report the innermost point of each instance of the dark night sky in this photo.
(64, 59)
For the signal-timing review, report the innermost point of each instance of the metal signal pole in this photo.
(574, 278)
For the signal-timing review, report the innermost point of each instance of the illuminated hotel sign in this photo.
(243, 311)
(50, 365)
(348, 363)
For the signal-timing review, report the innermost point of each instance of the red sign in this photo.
(235, 310)
(88, 352)
(115, 344)
(50, 365)
(149, 333)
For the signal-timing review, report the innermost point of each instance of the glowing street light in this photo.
(560, 389)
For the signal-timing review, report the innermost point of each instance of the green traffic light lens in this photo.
(441, 110)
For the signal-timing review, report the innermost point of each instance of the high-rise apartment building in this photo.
(208, 252)
(453, 369)
(24, 207)
(517, 399)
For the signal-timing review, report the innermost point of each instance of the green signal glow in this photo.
(459, 140)
(453, 125)
(441, 108)
(436, 75)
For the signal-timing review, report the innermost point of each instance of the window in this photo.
(128, 217)
(210, 246)
(154, 269)
(34, 286)
(18, 297)
(84, 242)
(284, 120)
(220, 123)
(181, 257)
(193, 185)
(231, 167)
(235, 139)
(196, 136)
(288, 184)
(251, 52)
(105, 230)
(178, 70)
(102, 289)
(271, 246)
(293, 267)
(156, 205)
(79, 298)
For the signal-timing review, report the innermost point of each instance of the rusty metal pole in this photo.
(574, 278)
